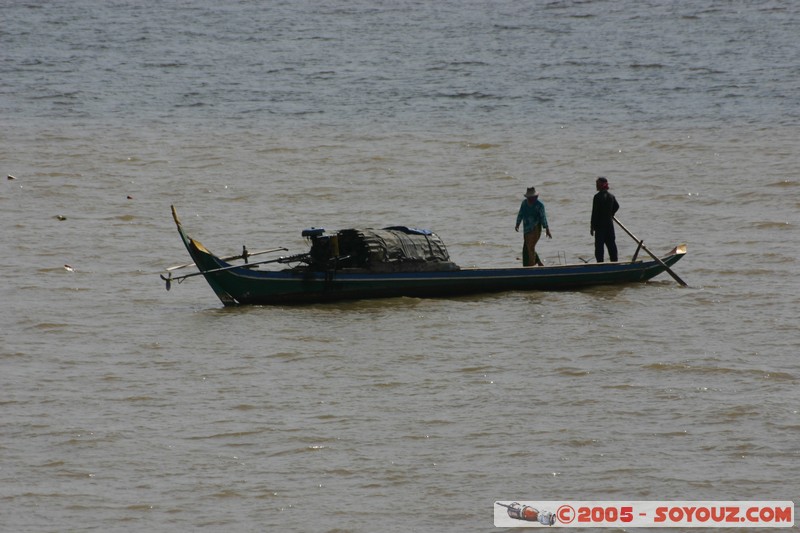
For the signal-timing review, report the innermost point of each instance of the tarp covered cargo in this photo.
(394, 249)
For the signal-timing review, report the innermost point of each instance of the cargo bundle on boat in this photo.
(393, 249)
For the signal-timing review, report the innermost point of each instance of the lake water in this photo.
(129, 408)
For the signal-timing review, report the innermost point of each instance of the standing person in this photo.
(531, 214)
(604, 207)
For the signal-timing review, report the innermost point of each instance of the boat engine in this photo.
(324, 247)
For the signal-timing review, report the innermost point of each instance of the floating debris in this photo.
(69, 268)
(61, 217)
(10, 177)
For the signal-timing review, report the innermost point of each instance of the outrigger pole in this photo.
(244, 255)
(288, 259)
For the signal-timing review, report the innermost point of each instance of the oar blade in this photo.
(178, 267)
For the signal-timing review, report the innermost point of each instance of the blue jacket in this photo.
(531, 215)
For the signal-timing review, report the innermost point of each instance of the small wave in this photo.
(164, 65)
(581, 443)
(683, 433)
(473, 95)
(49, 326)
(695, 369)
(455, 65)
(475, 369)
(646, 65)
(323, 75)
(784, 184)
(737, 412)
(342, 472)
(623, 386)
(70, 95)
(53, 464)
(136, 399)
(139, 507)
(773, 225)
(228, 493)
(311, 448)
(226, 435)
(482, 146)
(572, 372)
(387, 385)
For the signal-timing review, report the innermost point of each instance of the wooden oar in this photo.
(244, 255)
(641, 243)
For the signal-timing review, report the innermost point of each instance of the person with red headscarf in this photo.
(604, 207)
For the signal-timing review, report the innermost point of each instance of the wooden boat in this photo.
(311, 280)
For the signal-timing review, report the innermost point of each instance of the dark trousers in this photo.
(605, 238)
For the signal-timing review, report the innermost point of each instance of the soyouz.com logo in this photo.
(681, 514)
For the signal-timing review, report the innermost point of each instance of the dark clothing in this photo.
(604, 207)
(605, 238)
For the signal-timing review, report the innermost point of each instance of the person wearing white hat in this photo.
(533, 218)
